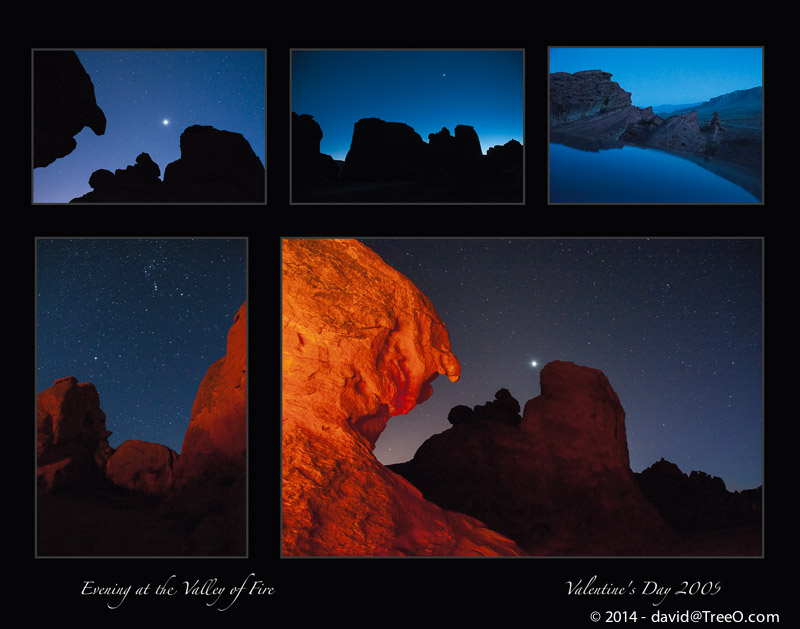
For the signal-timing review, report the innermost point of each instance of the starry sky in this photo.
(141, 319)
(674, 324)
(425, 89)
(149, 97)
(667, 76)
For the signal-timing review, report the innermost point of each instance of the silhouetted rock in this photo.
(559, 483)
(138, 183)
(360, 344)
(504, 409)
(142, 466)
(309, 166)
(71, 437)
(215, 167)
(698, 502)
(384, 151)
(63, 104)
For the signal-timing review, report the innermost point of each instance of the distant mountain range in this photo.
(740, 100)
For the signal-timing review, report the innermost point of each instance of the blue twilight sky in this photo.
(426, 89)
(667, 76)
(674, 324)
(140, 89)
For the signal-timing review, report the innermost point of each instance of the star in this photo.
(165, 122)
(533, 363)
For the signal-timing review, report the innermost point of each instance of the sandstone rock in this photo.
(142, 466)
(360, 344)
(584, 94)
(215, 442)
(63, 104)
(558, 484)
(71, 436)
(138, 183)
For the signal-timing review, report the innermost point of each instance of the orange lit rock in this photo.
(216, 440)
(71, 436)
(142, 466)
(360, 344)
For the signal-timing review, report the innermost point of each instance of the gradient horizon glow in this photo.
(674, 324)
(425, 89)
(667, 76)
(138, 90)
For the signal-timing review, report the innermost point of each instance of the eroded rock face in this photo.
(558, 484)
(142, 466)
(584, 94)
(309, 165)
(360, 344)
(63, 104)
(215, 442)
(71, 437)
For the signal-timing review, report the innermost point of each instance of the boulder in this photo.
(138, 183)
(361, 344)
(71, 437)
(142, 466)
(63, 104)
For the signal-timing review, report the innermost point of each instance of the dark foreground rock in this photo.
(388, 162)
(215, 167)
(558, 481)
(63, 104)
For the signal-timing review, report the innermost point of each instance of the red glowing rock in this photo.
(71, 436)
(216, 440)
(360, 344)
(142, 466)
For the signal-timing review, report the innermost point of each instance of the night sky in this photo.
(138, 90)
(141, 319)
(425, 89)
(667, 76)
(674, 324)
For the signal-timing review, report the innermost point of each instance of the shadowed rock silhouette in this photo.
(390, 162)
(215, 167)
(63, 104)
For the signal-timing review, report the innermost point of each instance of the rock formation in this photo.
(142, 498)
(584, 94)
(559, 483)
(698, 501)
(63, 104)
(309, 166)
(389, 162)
(215, 166)
(71, 437)
(142, 466)
(384, 151)
(360, 344)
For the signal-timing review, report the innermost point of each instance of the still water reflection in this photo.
(635, 175)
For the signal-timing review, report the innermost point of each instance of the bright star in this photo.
(165, 121)
(533, 363)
